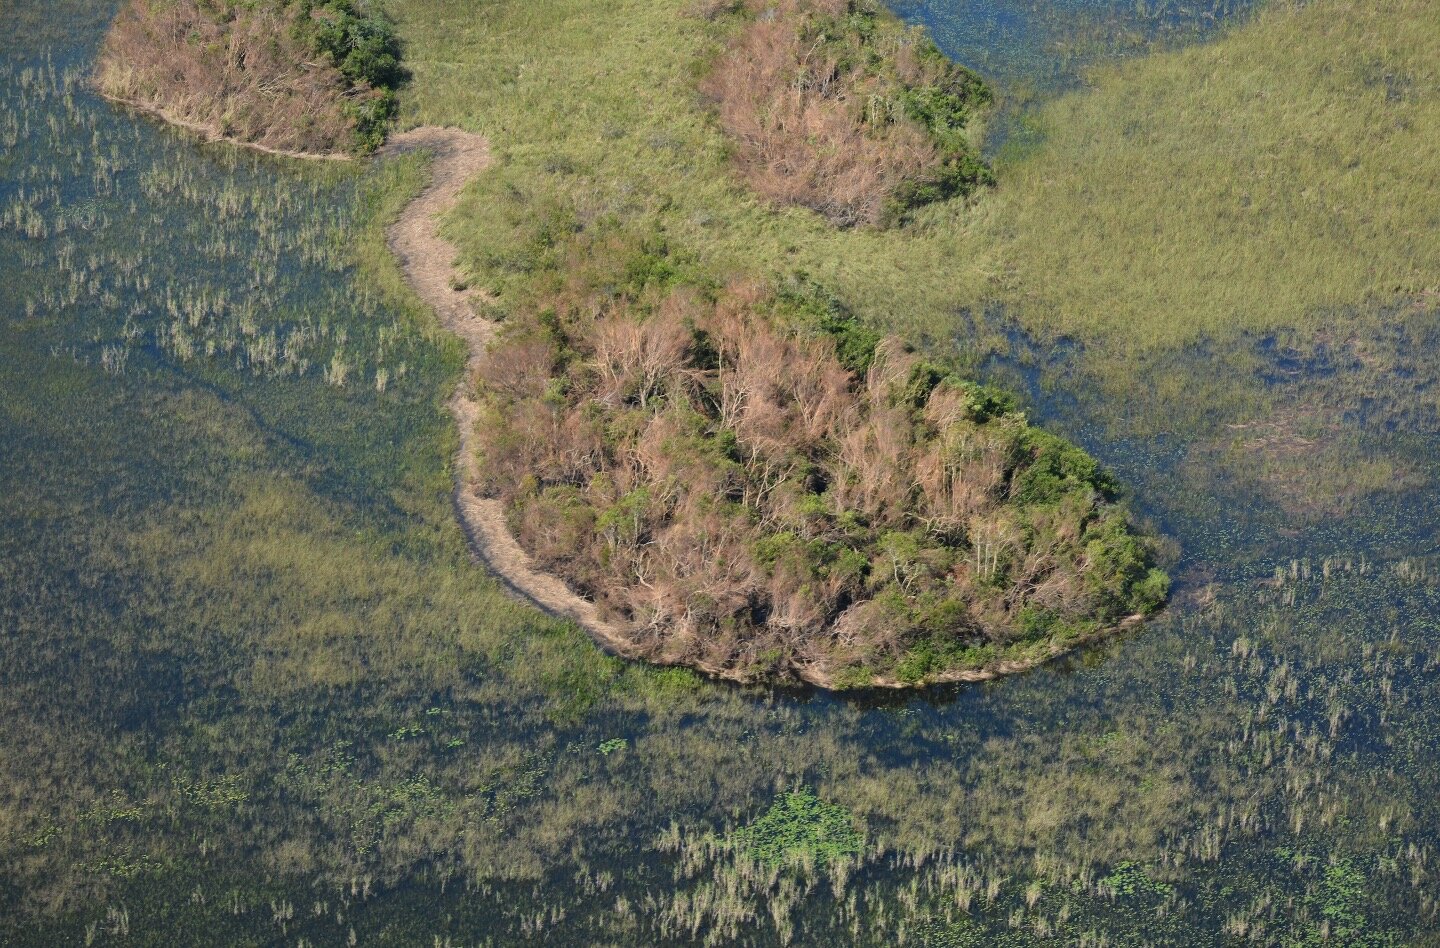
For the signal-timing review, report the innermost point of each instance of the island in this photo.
(736, 475)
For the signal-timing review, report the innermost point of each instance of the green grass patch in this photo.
(800, 827)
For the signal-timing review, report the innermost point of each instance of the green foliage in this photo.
(652, 265)
(1058, 468)
(624, 520)
(1122, 574)
(940, 649)
(363, 45)
(920, 661)
(799, 827)
(853, 677)
(946, 107)
(361, 42)
(807, 302)
(958, 174)
(1339, 899)
(1036, 623)
(1129, 880)
(372, 116)
(1336, 898)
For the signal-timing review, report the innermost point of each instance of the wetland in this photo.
(255, 691)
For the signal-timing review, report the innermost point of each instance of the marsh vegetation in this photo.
(253, 690)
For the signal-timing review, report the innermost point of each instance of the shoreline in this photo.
(426, 260)
(211, 136)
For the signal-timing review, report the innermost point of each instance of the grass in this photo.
(1286, 175)
(1302, 138)
(593, 107)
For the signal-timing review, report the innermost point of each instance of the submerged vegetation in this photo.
(835, 106)
(303, 76)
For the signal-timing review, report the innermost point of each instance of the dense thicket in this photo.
(757, 484)
(836, 106)
(313, 76)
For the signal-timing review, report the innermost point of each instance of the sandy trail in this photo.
(427, 259)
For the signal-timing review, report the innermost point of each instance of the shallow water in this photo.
(253, 690)
(1046, 43)
(1028, 49)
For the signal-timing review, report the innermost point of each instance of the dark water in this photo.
(252, 691)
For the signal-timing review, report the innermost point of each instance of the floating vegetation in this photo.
(799, 826)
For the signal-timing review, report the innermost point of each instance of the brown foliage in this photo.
(241, 74)
(702, 473)
(798, 116)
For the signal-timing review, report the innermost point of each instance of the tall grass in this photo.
(1286, 175)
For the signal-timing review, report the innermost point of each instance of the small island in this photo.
(732, 474)
(304, 78)
(837, 106)
(752, 483)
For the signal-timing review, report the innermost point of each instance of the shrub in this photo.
(360, 43)
(1058, 468)
(836, 106)
(771, 483)
(250, 71)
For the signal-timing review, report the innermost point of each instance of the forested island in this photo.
(739, 474)
(303, 77)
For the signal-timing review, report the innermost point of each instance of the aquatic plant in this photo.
(799, 826)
